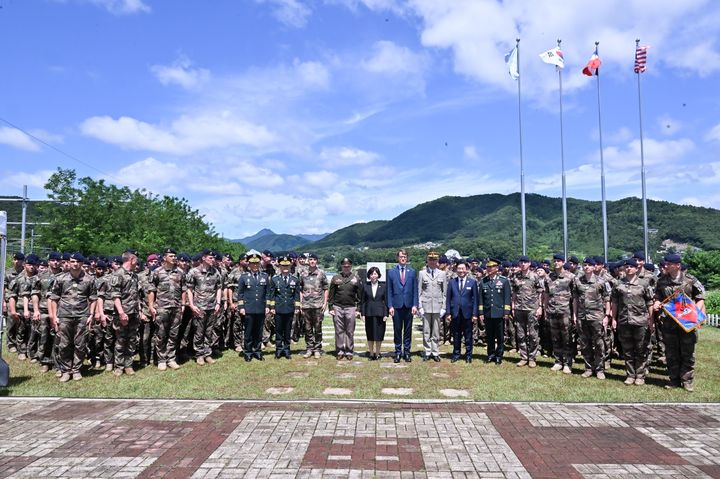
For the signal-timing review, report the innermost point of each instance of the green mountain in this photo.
(491, 224)
(277, 242)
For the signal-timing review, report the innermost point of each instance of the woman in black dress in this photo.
(374, 310)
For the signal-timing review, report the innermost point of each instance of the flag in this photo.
(593, 65)
(684, 311)
(512, 64)
(640, 58)
(554, 56)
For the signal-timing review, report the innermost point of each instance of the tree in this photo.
(94, 217)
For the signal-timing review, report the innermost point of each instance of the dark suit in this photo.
(495, 304)
(402, 295)
(462, 305)
(374, 309)
(253, 295)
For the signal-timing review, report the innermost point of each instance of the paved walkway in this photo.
(208, 439)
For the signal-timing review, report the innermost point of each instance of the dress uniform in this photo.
(252, 294)
(495, 305)
(432, 291)
(284, 299)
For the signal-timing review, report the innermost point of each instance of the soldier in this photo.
(445, 333)
(124, 292)
(20, 293)
(72, 301)
(236, 324)
(97, 332)
(343, 298)
(432, 289)
(166, 288)
(298, 268)
(204, 291)
(313, 298)
(679, 345)
(41, 287)
(592, 310)
(632, 301)
(267, 265)
(495, 306)
(527, 291)
(187, 331)
(556, 300)
(146, 328)
(253, 299)
(10, 275)
(284, 305)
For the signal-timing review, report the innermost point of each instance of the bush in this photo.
(712, 302)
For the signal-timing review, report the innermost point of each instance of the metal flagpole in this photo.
(562, 160)
(602, 165)
(522, 169)
(24, 216)
(642, 164)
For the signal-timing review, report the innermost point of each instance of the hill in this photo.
(268, 239)
(490, 224)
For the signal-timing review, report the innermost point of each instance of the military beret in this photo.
(197, 257)
(32, 259)
(169, 251)
(292, 255)
(559, 256)
(534, 264)
(515, 264)
(346, 260)
(183, 257)
(432, 255)
(43, 262)
(524, 259)
(101, 265)
(306, 255)
(443, 259)
(267, 252)
(284, 261)
(312, 256)
(19, 256)
(254, 258)
(218, 256)
(673, 258)
(54, 255)
(566, 266)
(589, 260)
(205, 252)
(599, 260)
(631, 262)
(78, 257)
(228, 256)
(545, 262)
(574, 259)
(66, 256)
(639, 255)
(649, 267)
(92, 258)
(152, 257)
(87, 262)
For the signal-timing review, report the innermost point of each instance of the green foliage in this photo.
(277, 242)
(712, 302)
(705, 265)
(98, 218)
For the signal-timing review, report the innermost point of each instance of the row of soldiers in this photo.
(66, 307)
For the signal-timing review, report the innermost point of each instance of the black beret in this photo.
(574, 259)
(101, 264)
(443, 259)
(78, 257)
(589, 260)
(559, 256)
(66, 256)
(169, 251)
(631, 262)
(312, 256)
(673, 258)
(32, 259)
(19, 256)
(649, 267)
(639, 255)
(55, 255)
(524, 258)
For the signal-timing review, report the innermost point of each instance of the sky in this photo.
(305, 116)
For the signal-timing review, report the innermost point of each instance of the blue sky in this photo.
(307, 116)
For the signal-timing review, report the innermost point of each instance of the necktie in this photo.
(432, 273)
(285, 280)
(402, 275)
(256, 276)
(462, 284)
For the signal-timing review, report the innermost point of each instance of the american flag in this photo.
(640, 58)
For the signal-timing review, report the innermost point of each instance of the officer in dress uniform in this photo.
(252, 294)
(495, 303)
(284, 301)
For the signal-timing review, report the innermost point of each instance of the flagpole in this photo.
(522, 169)
(562, 161)
(602, 165)
(642, 165)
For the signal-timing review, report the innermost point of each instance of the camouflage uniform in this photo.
(591, 297)
(632, 300)
(124, 285)
(167, 285)
(235, 325)
(527, 292)
(679, 345)
(558, 296)
(313, 286)
(146, 326)
(74, 297)
(298, 325)
(41, 287)
(204, 284)
(10, 276)
(609, 336)
(20, 291)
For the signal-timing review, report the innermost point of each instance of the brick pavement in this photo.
(441, 440)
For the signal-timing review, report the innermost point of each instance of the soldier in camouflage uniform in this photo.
(632, 302)
(186, 325)
(557, 304)
(448, 267)
(679, 345)
(10, 275)
(545, 337)
(608, 335)
(41, 288)
(124, 292)
(204, 291)
(527, 291)
(72, 301)
(592, 309)
(97, 332)
(146, 327)
(20, 295)
(299, 269)
(284, 301)
(166, 287)
(236, 323)
(313, 297)
(253, 299)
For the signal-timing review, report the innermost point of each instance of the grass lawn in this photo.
(232, 378)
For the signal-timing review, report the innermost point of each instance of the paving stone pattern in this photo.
(352, 439)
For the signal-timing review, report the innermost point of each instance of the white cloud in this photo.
(13, 182)
(713, 134)
(292, 13)
(657, 152)
(17, 139)
(184, 136)
(341, 157)
(121, 7)
(153, 175)
(390, 58)
(181, 73)
(393, 6)
(470, 153)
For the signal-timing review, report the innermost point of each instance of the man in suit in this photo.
(461, 306)
(495, 305)
(402, 304)
(431, 291)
